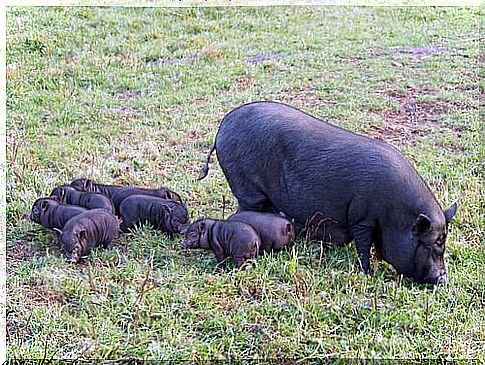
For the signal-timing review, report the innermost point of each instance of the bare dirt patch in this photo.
(413, 120)
(268, 56)
(124, 111)
(417, 53)
(306, 96)
(242, 83)
(128, 94)
(25, 249)
(173, 60)
(423, 52)
(22, 250)
(41, 294)
(353, 62)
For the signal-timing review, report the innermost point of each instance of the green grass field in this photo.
(135, 96)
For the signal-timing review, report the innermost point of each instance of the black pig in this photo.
(236, 240)
(167, 215)
(275, 231)
(89, 200)
(117, 192)
(89, 229)
(51, 214)
(278, 158)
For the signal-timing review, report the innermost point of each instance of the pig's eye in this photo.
(441, 240)
(426, 247)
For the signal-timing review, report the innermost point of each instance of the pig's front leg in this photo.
(363, 242)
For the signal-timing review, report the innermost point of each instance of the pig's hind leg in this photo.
(251, 199)
(245, 186)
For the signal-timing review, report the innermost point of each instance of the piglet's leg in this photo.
(109, 245)
(218, 250)
(238, 262)
(219, 255)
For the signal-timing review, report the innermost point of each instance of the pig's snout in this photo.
(442, 279)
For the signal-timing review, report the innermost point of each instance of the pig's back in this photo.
(305, 165)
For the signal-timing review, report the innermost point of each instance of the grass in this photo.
(135, 96)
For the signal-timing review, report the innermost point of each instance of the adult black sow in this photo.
(278, 158)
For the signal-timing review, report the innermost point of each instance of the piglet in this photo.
(49, 213)
(236, 240)
(118, 193)
(275, 231)
(69, 195)
(167, 215)
(89, 229)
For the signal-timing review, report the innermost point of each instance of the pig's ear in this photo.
(450, 212)
(44, 205)
(421, 225)
(202, 226)
(81, 234)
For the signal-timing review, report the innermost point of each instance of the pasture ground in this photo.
(135, 96)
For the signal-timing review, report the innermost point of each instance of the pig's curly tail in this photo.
(205, 170)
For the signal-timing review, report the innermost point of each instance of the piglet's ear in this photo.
(170, 196)
(422, 224)
(82, 234)
(450, 212)
(44, 205)
(202, 226)
(88, 185)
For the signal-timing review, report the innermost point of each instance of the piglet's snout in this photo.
(71, 260)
